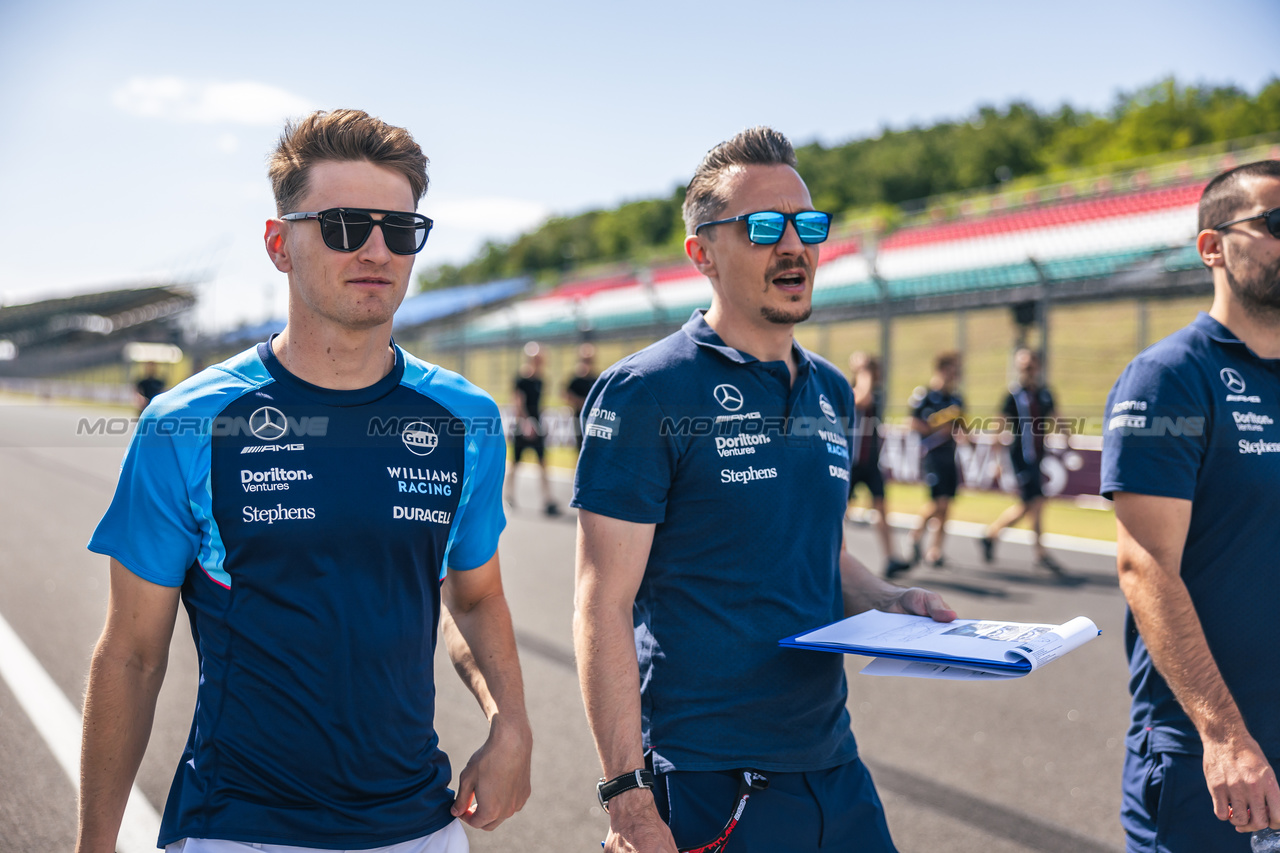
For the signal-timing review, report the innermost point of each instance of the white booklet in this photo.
(971, 649)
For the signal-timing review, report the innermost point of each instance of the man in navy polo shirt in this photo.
(1191, 457)
(711, 487)
(313, 502)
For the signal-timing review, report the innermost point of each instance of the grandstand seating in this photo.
(72, 333)
(1069, 239)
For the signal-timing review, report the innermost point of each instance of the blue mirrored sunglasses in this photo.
(765, 227)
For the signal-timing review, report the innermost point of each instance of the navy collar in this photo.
(333, 396)
(1215, 330)
(704, 336)
(1220, 334)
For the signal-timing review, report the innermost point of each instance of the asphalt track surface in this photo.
(1028, 765)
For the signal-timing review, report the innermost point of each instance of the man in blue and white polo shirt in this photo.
(712, 487)
(1191, 457)
(320, 504)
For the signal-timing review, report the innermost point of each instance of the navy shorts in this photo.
(835, 811)
(941, 476)
(1030, 482)
(522, 442)
(1166, 808)
(869, 474)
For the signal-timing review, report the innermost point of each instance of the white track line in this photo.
(58, 722)
(974, 530)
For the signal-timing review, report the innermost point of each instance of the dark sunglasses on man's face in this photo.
(765, 227)
(344, 229)
(1271, 217)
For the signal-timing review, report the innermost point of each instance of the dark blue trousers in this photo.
(834, 811)
(1166, 807)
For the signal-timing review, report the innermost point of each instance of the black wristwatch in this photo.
(606, 791)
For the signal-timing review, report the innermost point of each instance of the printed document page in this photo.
(1001, 648)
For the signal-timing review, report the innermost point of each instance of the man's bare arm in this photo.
(476, 625)
(863, 590)
(125, 675)
(1151, 534)
(611, 560)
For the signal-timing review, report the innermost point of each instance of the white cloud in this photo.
(238, 102)
(499, 217)
(228, 143)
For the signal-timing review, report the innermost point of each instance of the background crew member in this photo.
(579, 386)
(1190, 458)
(698, 552)
(1028, 411)
(868, 400)
(530, 433)
(314, 575)
(148, 386)
(937, 414)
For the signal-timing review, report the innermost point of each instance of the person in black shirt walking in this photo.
(868, 401)
(148, 387)
(530, 433)
(579, 386)
(937, 415)
(1028, 410)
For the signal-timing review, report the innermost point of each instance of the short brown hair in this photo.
(756, 146)
(946, 359)
(341, 136)
(1224, 197)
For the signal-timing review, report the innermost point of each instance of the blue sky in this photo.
(135, 132)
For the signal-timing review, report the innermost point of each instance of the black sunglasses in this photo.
(765, 227)
(1272, 218)
(345, 229)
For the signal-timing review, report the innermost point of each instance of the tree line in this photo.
(991, 145)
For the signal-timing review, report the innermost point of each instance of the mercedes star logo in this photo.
(268, 423)
(420, 438)
(1232, 379)
(729, 397)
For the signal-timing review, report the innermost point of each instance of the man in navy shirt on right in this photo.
(1191, 457)
(712, 487)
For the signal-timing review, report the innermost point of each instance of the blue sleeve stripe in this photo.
(471, 456)
(213, 553)
(468, 403)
